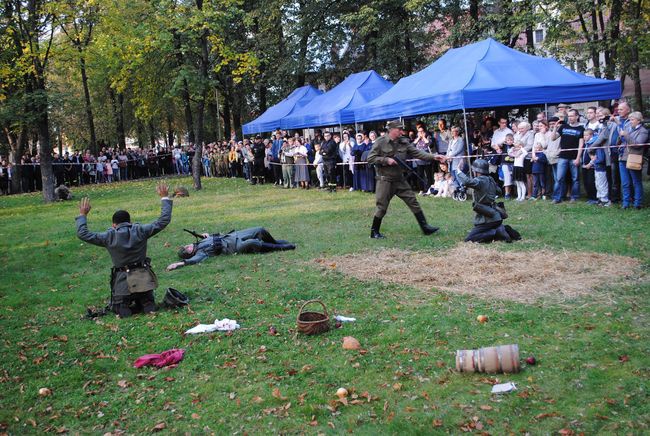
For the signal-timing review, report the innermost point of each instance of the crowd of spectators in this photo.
(545, 159)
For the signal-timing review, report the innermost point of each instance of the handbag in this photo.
(634, 162)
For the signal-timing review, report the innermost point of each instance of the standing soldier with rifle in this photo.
(386, 154)
(132, 279)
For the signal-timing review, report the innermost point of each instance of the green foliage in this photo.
(148, 53)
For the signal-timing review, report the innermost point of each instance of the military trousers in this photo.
(386, 190)
(252, 240)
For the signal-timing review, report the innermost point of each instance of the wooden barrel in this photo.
(491, 360)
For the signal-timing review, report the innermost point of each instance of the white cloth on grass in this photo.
(223, 325)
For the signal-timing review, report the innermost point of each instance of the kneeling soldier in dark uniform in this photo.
(253, 240)
(488, 222)
(390, 176)
(132, 279)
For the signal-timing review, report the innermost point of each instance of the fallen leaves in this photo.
(624, 358)
(159, 427)
(276, 394)
(278, 411)
(123, 384)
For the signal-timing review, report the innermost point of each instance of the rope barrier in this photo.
(487, 155)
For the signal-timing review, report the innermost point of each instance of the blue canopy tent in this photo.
(337, 106)
(485, 74)
(270, 119)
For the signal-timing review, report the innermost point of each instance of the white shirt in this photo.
(519, 156)
(499, 136)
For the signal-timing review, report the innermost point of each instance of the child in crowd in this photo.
(447, 187)
(539, 172)
(518, 153)
(100, 170)
(115, 164)
(318, 163)
(108, 171)
(438, 184)
(598, 162)
(506, 163)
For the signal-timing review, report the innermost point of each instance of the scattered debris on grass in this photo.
(487, 272)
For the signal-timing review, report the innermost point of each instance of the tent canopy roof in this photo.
(337, 105)
(270, 119)
(485, 74)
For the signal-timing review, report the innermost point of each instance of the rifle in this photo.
(409, 169)
(193, 233)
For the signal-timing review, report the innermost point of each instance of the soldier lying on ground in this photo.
(132, 279)
(252, 240)
(488, 222)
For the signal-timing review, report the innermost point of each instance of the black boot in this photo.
(422, 221)
(374, 230)
(268, 247)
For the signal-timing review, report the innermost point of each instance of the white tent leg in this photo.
(469, 163)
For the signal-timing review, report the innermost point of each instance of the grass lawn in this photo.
(593, 368)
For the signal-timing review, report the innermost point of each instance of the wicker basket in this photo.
(313, 323)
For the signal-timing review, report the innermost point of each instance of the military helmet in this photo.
(481, 166)
(175, 298)
(395, 124)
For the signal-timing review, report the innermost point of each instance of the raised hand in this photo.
(84, 206)
(162, 189)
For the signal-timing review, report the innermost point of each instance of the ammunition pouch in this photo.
(139, 277)
(486, 210)
(501, 208)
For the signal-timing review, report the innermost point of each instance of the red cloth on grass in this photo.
(166, 358)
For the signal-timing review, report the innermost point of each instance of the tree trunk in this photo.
(185, 90)
(638, 95)
(59, 141)
(200, 107)
(236, 113)
(117, 101)
(139, 128)
(301, 74)
(152, 135)
(614, 34)
(16, 151)
(89, 109)
(262, 97)
(213, 135)
(170, 131)
(227, 126)
(43, 126)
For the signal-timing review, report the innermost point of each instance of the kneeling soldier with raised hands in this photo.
(132, 279)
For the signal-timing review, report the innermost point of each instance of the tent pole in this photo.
(469, 163)
(546, 111)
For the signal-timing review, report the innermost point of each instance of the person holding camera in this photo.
(132, 279)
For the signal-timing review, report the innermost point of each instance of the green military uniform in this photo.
(391, 180)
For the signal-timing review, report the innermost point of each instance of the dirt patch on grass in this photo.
(485, 271)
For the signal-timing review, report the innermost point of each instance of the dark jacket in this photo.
(485, 193)
(539, 165)
(329, 150)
